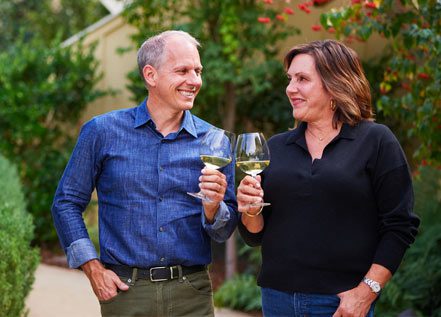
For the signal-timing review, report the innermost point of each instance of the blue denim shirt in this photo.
(146, 217)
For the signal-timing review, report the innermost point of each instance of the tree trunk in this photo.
(228, 122)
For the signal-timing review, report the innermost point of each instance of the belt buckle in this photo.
(159, 279)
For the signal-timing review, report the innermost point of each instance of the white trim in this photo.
(91, 28)
(114, 6)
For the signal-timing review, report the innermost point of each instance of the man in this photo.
(154, 238)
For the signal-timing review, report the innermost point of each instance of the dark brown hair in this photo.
(342, 76)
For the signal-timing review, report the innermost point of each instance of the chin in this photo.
(187, 106)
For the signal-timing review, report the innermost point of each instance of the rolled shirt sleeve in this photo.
(72, 197)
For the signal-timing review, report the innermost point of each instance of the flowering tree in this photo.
(411, 82)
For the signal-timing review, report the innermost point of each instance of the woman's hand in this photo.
(249, 192)
(355, 302)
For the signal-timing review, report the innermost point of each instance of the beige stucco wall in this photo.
(115, 33)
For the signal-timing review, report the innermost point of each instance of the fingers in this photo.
(213, 184)
(120, 284)
(105, 284)
(249, 192)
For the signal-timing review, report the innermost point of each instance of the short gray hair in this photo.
(151, 51)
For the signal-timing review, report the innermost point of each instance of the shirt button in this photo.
(161, 229)
(162, 259)
(160, 198)
(161, 168)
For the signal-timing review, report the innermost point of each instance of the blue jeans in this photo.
(281, 304)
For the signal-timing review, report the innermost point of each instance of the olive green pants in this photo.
(189, 296)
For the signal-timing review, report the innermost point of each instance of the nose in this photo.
(194, 78)
(291, 88)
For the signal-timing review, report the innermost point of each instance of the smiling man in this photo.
(154, 238)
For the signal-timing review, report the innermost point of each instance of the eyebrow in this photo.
(186, 67)
(297, 74)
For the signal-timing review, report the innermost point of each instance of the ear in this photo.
(150, 75)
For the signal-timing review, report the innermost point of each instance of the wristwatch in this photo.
(374, 285)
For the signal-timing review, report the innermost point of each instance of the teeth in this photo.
(187, 93)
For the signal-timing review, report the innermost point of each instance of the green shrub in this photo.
(241, 293)
(18, 259)
(43, 91)
(417, 284)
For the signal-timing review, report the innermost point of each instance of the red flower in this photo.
(288, 11)
(423, 162)
(355, 1)
(304, 7)
(268, 1)
(331, 30)
(370, 5)
(369, 13)
(264, 20)
(406, 86)
(423, 76)
(280, 17)
(316, 27)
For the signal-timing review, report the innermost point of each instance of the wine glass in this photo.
(216, 151)
(252, 156)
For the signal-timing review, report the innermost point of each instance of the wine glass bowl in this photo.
(252, 155)
(216, 151)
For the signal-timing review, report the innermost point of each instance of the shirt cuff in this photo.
(80, 252)
(220, 219)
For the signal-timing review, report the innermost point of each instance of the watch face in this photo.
(376, 287)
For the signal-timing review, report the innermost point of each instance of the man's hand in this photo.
(214, 185)
(355, 302)
(105, 283)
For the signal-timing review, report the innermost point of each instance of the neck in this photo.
(167, 121)
(322, 131)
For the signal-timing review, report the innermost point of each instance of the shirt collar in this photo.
(143, 116)
(346, 132)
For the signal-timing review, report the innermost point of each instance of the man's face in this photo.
(179, 75)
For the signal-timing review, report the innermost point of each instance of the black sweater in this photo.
(331, 219)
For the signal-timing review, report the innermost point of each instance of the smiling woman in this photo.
(341, 213)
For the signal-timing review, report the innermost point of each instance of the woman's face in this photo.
(309, 99)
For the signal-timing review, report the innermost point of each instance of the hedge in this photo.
(18, 259)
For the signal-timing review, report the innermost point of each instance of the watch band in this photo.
(374, 285)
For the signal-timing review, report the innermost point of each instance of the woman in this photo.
(340, 190)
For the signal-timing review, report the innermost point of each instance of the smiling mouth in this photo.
(296, 102)
(188, 92)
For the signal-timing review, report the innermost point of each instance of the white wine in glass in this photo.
(214, 162)
(216, 151)
(252, 156)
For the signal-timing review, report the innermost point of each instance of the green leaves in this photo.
(43, 91)
(240, 292)
(412, 95)
(19, 260)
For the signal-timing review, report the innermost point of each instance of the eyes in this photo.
(298, 78)
(184, 71)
